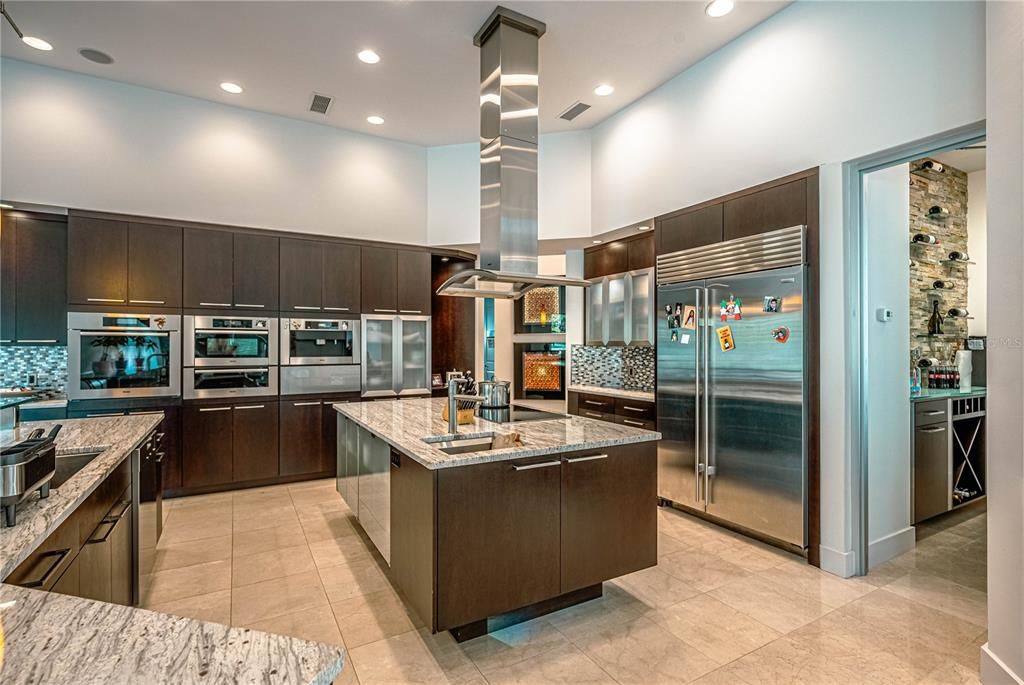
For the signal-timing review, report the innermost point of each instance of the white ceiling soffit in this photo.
(426, 82)
(967, 160)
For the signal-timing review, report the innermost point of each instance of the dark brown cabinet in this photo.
(171, 448)
(230, 270)
(302, 437)
(766, 210)
(208, 257)
(641, 252)
(254, 443)
(105, 562)
(98, 261)
(34, 284)
(302, 275)
(413, 532)
(608, 496)
(255, 271)
(627, 412)
(498, 538)
(206, 447)
(319, 276)
(413, 282)
(689, 228)
(342, 272)
(611, 258)
(378, 279)
(154, 265)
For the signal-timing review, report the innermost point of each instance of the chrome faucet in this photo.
(453, 402)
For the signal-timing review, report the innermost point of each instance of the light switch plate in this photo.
(883, 314)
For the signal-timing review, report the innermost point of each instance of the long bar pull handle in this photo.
(59, 556)
(305, 404)
(592, 457)
(637, 409)
(932, 429)
(22, 340)
(306, 308)
(410, 311)
(934, 412)
(104, 299)
(337, 309)
(697, 465)
(147, 301)
(630, 422)
(539, 465)
(708, 469)
(214, 304)
(254, 306)
(253, 406)
(593, 415)
(599, 404)
(215, 409)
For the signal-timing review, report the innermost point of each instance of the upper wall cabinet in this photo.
(120, 263)
(395, 281)
(619, 256)
(33, 268)
(687, 229)
(225, 269)
(766, 210)
(319, 276)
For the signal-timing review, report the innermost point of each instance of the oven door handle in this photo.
(257, 331)
(234, 371)
(133, 333)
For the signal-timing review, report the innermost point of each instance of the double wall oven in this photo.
(320, 356)
(229, 356)
(123, 355)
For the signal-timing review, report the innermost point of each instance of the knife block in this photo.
(462, 416)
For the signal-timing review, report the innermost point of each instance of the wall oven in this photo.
(206, 382)
(230, 341)
(319, 341)
(123, 355)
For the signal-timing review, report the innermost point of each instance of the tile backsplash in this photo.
(631, 368)
(46, 366)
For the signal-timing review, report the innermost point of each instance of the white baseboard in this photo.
(995, 672)
(837, 563)
(891, 546)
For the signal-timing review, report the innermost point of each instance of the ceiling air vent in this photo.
(575, 109)
(320, 103)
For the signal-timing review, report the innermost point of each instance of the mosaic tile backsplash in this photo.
(49, 366)
(630, 368)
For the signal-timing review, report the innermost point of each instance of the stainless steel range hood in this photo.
(508, 163)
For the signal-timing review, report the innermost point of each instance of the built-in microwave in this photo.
(211, 382)
(230, 341)
(123, 355)
(319, 341)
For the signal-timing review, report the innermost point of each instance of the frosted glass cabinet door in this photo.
(378, 356)
(415, 356)
(616, 309)
(641, 314)
(595, 314)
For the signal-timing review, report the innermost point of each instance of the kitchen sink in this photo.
(461, 444)
(70, 464)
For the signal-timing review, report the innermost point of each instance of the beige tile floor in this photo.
(719, 609)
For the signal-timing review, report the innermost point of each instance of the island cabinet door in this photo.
(498, 545)
(609, 514)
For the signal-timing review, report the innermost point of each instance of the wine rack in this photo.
(968, 415)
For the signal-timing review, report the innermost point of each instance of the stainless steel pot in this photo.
(495, 393)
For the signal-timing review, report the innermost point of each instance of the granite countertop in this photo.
(51, 638)
(615, 392)
(114, 436)
(935, 394)
(14, 400)
(404, 423)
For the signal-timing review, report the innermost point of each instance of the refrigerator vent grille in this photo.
(773, 250)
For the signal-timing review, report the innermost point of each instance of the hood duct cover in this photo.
(508, 163)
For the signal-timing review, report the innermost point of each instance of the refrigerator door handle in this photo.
(698, 467)
(707, 391)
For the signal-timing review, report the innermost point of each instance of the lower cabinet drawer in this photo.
(635, 423)
(596, 403)
(599, 415)
(635, 409)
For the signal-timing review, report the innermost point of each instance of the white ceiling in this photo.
(426, 84)
(967, 160)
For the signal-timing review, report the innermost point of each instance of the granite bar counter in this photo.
(404, 424)
(53, 638)
(950, 393)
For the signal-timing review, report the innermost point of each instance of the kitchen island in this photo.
(501, 522)
(56, 634)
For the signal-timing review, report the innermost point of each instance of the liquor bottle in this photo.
(957, 313)
(943, 285)
(957, 256)
(935, 320)
(926, 238)
(932, 165)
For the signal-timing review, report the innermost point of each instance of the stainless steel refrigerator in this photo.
(731, 383)
(396, 355)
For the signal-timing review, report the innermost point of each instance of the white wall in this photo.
(886, 224)
(818, 82)
(977, 237)
(563, 194)
(77, 141)
(1003, 656)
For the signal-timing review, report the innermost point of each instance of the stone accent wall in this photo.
(949, 190)
(630, 368)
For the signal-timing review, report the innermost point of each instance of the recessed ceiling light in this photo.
(6, 206)
(37, 43)
(604, 89)
(719, 8)
(368, 56)
(596, 242)
(643, 228)
(229, 87)
(97, 56)
(375, 120)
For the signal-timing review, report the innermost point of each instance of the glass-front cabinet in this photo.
(620, 309)
(395, 355)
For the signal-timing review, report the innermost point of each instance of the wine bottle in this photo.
(935, 320)
(944, 285)
(932, 165)
(957, 256)
(927, 362)
(937, 212)
(926, 238)
(957, 313)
